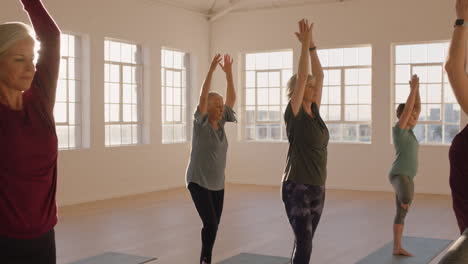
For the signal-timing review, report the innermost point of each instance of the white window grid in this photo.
(265, 95)
(439, 120)
(123, 81)
(174, 96)
(67, 110)
(346, 104)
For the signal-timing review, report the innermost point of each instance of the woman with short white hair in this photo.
(28, 152)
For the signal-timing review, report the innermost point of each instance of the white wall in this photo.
(99, 172)
(376, 22)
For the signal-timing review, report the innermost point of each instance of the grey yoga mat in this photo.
(247, 258)
(423, 249)
(114, 258)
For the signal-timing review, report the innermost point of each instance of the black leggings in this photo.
(209, 205)
(39, 250)
(304, 205)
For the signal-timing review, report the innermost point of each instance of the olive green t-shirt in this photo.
(406, 148)
(308, 140)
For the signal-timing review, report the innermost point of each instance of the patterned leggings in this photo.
(304, 205)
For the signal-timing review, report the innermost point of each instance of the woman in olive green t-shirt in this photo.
(405, 166)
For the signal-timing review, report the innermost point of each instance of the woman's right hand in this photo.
(462, 9)
(414, 82)
(214, 63)
(305, 32)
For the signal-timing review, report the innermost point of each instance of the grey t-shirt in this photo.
(209, 149)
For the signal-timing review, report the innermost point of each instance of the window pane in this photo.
(126, 52)
(433, 112)
(334, 77)
(334, 112)
(275, 60)
(275, 132)
(114, 90)
(127, 94)
(434, 93)
(262, 113)
(285, 76)
(60, 112)
(452, 113)
(403, 54)
(324, 112)
(323, 56)
(250, 132)
(365, 56)
(114, 113)
(262, 94)
(275, 113)
(127, 113)
(261, 61)
(262, 79)
(62, 136)
(401, 93)
(450, 132)
(434, 74)
(351, 113)
(365, 133)
(250, 61)
(114, 51)
(364, 113)
(434, 133)
(115, 135)
(335, 95)
(250, 79)
(420, 132)
(274, 94)
(350, 57)
(402, 74)
(126, 134)
(250, 96)
(287, 59)
(351, 95)
(250, 113)
(351, 76)
(325, 91)
(449, 96)
(114, 73)
(350, 132)
(178, 60)
(335, 57)
(421, 71)
(365, 95)
(61, 94)
(435, 53)
(365, 76)
(274, 79)
(418, 53)
(262, 132)
(336, 131)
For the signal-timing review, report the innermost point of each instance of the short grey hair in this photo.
(13, 32)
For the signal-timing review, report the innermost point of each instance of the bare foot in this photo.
(401, 252)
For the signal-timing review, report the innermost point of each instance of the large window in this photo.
(439, 121)
(174, 66)
(265, 100)
(346, 103)
(67, 111)
(122, 93)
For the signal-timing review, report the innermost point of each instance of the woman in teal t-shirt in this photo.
(405, 166)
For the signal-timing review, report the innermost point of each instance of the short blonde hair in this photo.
(13, 32)
(292, 84)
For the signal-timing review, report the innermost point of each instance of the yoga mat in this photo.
(247, 258)
(458, 252)
(114, 258)
(423, 249)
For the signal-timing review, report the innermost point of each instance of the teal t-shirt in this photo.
(406, 148)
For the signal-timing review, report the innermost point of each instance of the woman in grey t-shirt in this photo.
(205, 172)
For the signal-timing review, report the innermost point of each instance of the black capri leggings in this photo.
(39, 250)
(404, 192)
(209, 205)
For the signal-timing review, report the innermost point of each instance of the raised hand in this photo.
(227, 66)
(414, 82)
(462, 9)
(214, 63)
(305, 32)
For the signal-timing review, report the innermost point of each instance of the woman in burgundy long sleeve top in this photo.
(28, 141)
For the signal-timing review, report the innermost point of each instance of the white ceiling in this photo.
(217, 8)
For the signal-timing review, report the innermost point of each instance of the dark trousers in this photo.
(304, 205)
(459, 178)
(39, 250)
(209, 205)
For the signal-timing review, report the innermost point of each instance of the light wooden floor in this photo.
(166, 225)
